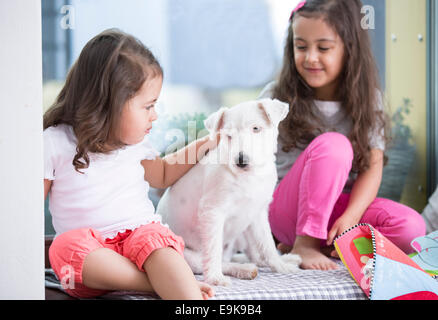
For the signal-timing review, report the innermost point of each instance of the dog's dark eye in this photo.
(229, 137)
(256, 129)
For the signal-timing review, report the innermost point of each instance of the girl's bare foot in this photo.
(206, 290)
(309, 250)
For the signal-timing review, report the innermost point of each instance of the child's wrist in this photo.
(352, 215)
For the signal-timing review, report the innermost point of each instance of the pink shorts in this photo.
(68, 251)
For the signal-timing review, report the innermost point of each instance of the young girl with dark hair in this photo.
(331, 144)
(99, 165)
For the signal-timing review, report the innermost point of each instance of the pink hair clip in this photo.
(298, 7)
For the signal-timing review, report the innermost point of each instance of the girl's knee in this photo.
(334, 145)
(160, 255)
(397, 222)
(164, 252)
(414, 224)
(148, 241)
(411, 226)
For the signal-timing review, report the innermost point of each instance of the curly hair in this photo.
(358, 90)
(110, 70)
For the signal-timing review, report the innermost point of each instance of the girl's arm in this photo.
(364, 192)
(47, 186)
(164, 172)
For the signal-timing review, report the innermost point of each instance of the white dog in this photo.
(221, 204)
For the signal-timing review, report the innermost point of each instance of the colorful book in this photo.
(381, 269)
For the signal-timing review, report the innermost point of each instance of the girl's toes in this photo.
(206, 290)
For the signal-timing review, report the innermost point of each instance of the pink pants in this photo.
(309, 198)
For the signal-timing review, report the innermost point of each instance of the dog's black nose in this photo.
(242, 160)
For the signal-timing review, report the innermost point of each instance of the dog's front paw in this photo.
(217, 280)
(286, 265)
(292, 258)
(247, 271)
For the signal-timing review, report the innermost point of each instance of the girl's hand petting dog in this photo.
(210, 144)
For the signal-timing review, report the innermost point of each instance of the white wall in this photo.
(21, 151)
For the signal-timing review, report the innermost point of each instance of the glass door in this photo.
(432, 9)
(405, 177)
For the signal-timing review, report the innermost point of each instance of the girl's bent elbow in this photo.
(154, 183)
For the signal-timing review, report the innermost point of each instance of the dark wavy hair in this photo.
(359, 89)
(110, 70)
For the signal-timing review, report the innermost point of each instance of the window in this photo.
(214, 52)
(406, 91)
(220, 52)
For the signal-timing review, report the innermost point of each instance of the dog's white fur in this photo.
(219, 207)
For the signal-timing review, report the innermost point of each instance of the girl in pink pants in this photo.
(309, 198)
(331, 144)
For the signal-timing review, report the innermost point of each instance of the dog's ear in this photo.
(273, 110)
(215, 121)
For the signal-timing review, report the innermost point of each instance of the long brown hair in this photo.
(110, 70)
(358, 90)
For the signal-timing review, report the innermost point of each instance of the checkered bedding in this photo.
(305, 284)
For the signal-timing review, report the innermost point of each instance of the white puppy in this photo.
(221, 204)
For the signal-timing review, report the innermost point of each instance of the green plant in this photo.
(401, 132)
(190, 124)
(400, 154)
(168, 130)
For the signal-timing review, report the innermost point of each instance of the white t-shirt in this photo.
(110, 196)
(335, 119)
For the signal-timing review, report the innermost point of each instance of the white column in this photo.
(21, 151)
